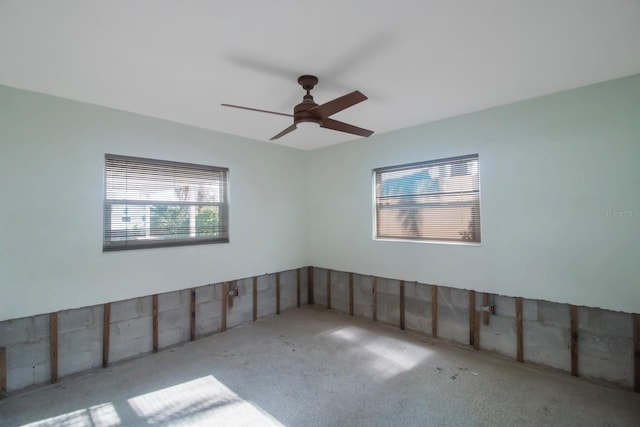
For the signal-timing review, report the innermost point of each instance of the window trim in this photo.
(110, 246)
(414, 165)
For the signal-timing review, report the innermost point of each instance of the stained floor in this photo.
(314, 367)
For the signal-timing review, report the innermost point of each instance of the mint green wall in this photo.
(551, 169)
(51, 174)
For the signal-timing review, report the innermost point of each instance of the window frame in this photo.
(417, 166)
(109, 245)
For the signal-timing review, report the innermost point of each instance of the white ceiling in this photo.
(418, 61)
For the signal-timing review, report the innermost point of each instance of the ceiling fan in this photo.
(310, 112)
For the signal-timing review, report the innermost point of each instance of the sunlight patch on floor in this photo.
(104, 415)
(204, 401)
(392, 356)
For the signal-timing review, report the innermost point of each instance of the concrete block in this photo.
(131, 309)
(505, 306)
(266, 295)
(546, 344)
(605, 322)
(362, 286)
(453, 323)
(320, 286)
(459, 298)
(530, 309)
(174, 318)
(25, 376)
(170, 300)
(499, 336)
(304, 286)
(25, 329)
(340, 291)
(388, 286)
(79, 350)
(606, 357)
(388, 310)
(28, 353)
(288, 290)
(204, 294)
(417, 314)
(237, 317)
(80, 318)
(130, 338)
(553, 314)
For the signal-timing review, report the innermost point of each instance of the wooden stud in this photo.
(476, 329)
(351, 294)
(53, 349)
(192, 321)
(374, 300)
(402, 305)
(310, 299)
(255, 298)
(3, 372)
(278, 293)
(519, 346)
(434, 310)
(573, 315)
(328, 289)
(472, 318)
(155, 323)
(485, 303)
(298, 287)
(106, 333)
(225, 297)
(636, 351)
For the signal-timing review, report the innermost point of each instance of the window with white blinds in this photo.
(152, 203)
(437, 200)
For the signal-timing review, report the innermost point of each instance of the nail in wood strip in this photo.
(351, 294)
(155, 323)
(573, 314)
(53, 350)
(402, 305)
(519, 346)
(192, 324)
(434, 310)
(106, 333)
(255, 298)
(278, 293)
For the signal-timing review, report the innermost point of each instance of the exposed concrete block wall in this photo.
(80, 331)
(79, 339)
(240, 308)
(208, 310)
(27, 344)
(131, 327)
(174, 325)
(605, 338)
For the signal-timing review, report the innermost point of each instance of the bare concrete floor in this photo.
(314, 367)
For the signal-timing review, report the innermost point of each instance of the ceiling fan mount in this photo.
(310, 112)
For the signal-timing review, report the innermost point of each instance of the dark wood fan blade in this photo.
(345, 127)
(284, 132)
(330, 108)
(258, 110)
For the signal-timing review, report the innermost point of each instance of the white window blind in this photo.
(435, 200)
(151, 203)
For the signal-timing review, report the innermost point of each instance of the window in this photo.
(152, 203)
(436, 200)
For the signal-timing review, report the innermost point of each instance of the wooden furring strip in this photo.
(472, 318)
(192, 317)
(106, 333)
(328, 289)
(374, 300)
(3, 372)
(298, 287)
(255, 298)
(53, 349)
(278, 293)
(402, 305)
(155, 323)
(434, 310)
(225, 297)
(485, 303)
(310, 298)
(519, 345)
(573, 317)
(351, 294)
